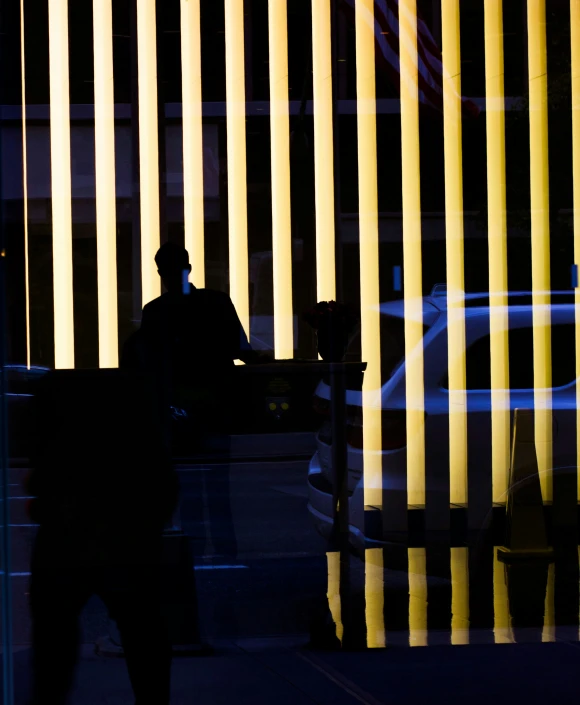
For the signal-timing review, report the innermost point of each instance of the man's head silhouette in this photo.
(173, 266)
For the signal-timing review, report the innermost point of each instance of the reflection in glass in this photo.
(374, 598)
(417, 597)
(460, 595)
(549, 631)
(333, 591)
(502, 628)
(575, 48)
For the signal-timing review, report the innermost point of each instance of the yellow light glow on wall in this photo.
(148, 148)
(323, 150)
(412, 273)
(193, 203)
(25, 182)
(549, 629)
(497, 244)
(460, 595)
(369, 248)
(417, 597)
(502, 623)
(374, 598)
(280, 156)
(575, 47)
(454, 250)
(105, 183)
(64, 353)
(333, 591)
(540, 214)
(237, 187)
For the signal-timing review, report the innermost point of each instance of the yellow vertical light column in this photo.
(369, 249)
(497, 244)
(280, 157)
(192, 113)
(540, 215)
(323, 150)
(412, 258)
(105, 183)
(417, 597)
(236, 140)
(460, 595)
(502, 621)
(549, 629)
(375, 598)
(148, 147)
(64, 344)
(25, 181)
(454, 248)
(575, 47)
(333, 591)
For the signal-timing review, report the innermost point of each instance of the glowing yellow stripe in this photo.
(412, 252)
(148, 148)
(374, 598)
(105, 183)
(502, 625)
(454, 249)
(333, 591)
(323, 150)
(193, 204)
(497, 243)
(460, 595)
(549, 629)
(369, 248)
(64, 353)
(237, 188)
(25, 182)
(280, 155)
(575, 45)
(417, 597)
(540, 213)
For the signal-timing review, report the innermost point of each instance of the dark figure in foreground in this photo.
(104, 489)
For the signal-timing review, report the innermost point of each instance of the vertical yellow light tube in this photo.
(502, 623)
(323, 150)
(369, 249)
(64, 344)
(417, 597)
(412, 274)
(105, 183)
(455, 248)
(374, 598)
(193, 204)
(497, 243)
(575, 70)
(280, 156)
(549, 630)
(460, 595)
(237, 187)
(333, 591)
(25, 181)
(148, 147)
(540, 214)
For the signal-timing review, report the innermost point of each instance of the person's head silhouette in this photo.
(173, 266)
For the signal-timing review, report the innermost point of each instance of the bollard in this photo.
(526, 538)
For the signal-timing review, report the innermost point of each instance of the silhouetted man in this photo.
(104, 490)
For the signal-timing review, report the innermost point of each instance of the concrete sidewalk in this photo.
(278, 672)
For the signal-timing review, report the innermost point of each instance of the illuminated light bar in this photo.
(105, 184)
(280, 159)
(502, 629)
(25, 182)
(374, 598)
(148, 148)
(460, 595)
(549, 628)
(193, 189)
(412, 274)
(333, 591)
(369, 249)
(60, 160)
(497, 244)
(454, 250)
(540, 215)
(575, 46)
(417, 597)
(323, 150)
(236, 141)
